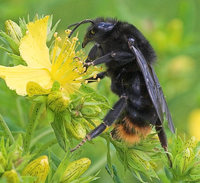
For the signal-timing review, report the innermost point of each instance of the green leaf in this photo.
(61, 168)
(60, 131)
(109, 161)
(6, 130)
(22, 24)
(85, 179)
(114, 175)
(13, 45)
(31, 126)
(50, 115)
(17, 60)
(51, 31)
(5, 49)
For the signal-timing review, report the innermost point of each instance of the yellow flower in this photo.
(62, 64)
(194, 123)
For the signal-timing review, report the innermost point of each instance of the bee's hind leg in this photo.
(163, 139)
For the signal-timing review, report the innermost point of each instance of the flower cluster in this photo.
(185, 156)
(51, 72)
(43, 65)
(16, 167)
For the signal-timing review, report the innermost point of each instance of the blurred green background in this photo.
(173, 29)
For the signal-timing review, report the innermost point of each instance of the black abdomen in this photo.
(139, 105)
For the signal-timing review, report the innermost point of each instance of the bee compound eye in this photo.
(92, 32)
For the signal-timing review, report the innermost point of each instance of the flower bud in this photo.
(11, 176)
(13, 30)
(192, 142)
(57, 102)
(38, 168)
(77, 130)
(90, 111)
(188, 156)
(75, 169)
(33, 88)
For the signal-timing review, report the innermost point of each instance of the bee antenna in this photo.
(78, 24)
(79, 145)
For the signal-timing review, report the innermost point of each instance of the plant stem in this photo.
(20, 112)
(6, 130)
(31, 125)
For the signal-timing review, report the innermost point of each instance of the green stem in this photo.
(31, 126)
(20, 112)
(6, 130)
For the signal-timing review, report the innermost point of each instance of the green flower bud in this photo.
(90, 111)
(33, 88)
(188, 156)
(192, 142)
(11, 176)
(38, 168)
(96, 121)
(75, 169)
(13, 30)
(77, 130)
(57, 102)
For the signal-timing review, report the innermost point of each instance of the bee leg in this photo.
(109, 119)
(163, 139)
(95, 52)
(120, 57)
(100, 75)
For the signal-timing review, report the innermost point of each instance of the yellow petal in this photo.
(17, 77)
(33, 47)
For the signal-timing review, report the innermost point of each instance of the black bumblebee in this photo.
(129, 58)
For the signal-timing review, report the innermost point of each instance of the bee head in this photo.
(97, 31)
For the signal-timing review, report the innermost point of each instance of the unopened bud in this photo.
(77, 130)
(33, 88)
(38, 168)
(90, 111)
(57, 102)
(13, 30)
(75, 169)
(11, 176)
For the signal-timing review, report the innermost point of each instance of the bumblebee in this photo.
(129, 59)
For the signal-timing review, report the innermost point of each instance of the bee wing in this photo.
(153, 87)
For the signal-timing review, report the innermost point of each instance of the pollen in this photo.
(67, 64)
(55, 34)
(59, 39)
(68, 31)
(95, 76)
(62, 63)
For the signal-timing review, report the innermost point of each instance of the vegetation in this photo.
(39, 123)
